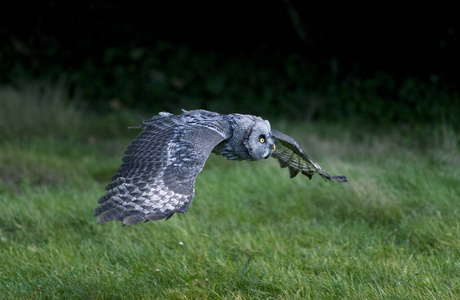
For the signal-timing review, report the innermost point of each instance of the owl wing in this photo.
(291, 156)
(157, 177)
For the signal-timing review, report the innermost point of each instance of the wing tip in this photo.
(339, 178)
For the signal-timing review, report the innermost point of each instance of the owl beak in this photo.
(273, 147)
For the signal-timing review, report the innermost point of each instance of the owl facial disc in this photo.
(260, 141)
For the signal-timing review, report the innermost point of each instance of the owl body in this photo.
(157, 176)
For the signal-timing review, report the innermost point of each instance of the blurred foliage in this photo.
(272, 84)
(38, 109)
(35, 110)
(381, 99)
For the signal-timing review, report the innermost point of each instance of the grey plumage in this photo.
(157, 176)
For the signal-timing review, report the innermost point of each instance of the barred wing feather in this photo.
(291, 156)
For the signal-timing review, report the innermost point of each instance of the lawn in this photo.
(391, 232)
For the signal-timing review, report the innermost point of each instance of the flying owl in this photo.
(157, 176)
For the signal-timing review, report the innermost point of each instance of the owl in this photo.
(157, 176)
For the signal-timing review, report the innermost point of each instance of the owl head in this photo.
(260, 142)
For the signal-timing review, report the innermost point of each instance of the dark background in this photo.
(383, 61)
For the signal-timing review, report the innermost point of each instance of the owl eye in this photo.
(262, 139)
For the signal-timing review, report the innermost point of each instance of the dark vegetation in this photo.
(295, 60)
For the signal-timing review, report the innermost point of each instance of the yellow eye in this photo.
(262, 140)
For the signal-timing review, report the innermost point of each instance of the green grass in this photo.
(391, 232)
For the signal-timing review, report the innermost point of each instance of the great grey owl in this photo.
(157, 176)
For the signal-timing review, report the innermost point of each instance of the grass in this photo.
(391, 232)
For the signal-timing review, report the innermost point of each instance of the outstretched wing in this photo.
(291, 156)
(157, 177)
